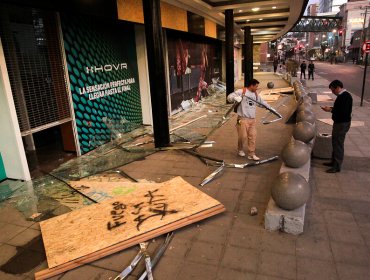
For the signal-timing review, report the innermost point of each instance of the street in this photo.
(350, 74)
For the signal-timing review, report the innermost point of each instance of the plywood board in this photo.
(323, 98)
(102, 190)
(353, 123)
(101, 229)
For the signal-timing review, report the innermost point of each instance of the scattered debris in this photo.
(254, 211)
(210, 177)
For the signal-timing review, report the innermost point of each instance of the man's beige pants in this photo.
(247, 132)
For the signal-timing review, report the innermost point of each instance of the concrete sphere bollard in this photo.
(306, 115)
(295, 154)
(290, 191)
(304, 106)
(270, 85)
(304, 131)
(306, 99)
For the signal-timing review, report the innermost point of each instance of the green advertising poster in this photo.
(103, 74)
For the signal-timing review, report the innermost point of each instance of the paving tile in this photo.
(9, 231)
(206, 253)
(261, 197)
(11, 215)
(350, 253)
(240, 259)
(24, 237)
(315, 230)
(167, 268)
(363, 220)
(178, 248)
(221, 220)
(266, 277)
(7, 276)
(7, 252)
(188, 232)
(314, 248)
(360, 207)
(343, 233)
(278, 265)
(339, 218)
(244, 206)
(246, 238)
(24, 262)
(212, 234)
(226, 273)
(197, 271)
(315, 269)
(246, 221)
(365, 232)
(278, 242)
(348, 271)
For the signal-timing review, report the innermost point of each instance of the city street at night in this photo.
(350, 74)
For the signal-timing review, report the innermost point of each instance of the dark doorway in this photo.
(49, 152)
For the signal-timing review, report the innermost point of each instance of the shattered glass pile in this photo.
(50, 194)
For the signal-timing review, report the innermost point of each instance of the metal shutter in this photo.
(34, 58)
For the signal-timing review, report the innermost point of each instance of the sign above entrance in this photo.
(366, 46)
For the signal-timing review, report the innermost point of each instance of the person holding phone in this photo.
(341, 116)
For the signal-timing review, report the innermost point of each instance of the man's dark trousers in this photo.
(338, 136)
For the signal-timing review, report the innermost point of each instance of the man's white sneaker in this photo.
(241, 153)
(254, 157)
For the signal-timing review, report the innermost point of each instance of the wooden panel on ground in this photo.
(102, 190)
(93, 232)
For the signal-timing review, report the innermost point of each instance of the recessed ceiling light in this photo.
(260, 19)
(255, 9)
(274, 7)
(248, 20)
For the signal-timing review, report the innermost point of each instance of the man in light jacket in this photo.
(246, 122)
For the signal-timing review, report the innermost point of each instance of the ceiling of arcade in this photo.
(268, 20)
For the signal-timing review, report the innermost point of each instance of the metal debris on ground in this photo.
(158, 254)
(254, 211)
(127, 271)
(210, 177)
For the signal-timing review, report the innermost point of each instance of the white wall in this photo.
(11, 145)
(143, 75)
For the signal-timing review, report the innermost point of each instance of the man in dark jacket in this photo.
(341, 116)
(311, 69)
(303, 69)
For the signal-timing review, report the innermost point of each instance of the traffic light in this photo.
(340, 32)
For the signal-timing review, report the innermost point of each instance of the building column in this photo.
(248, 55)
(157, 73)
(229, 44)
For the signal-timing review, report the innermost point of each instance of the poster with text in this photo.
(103, 75)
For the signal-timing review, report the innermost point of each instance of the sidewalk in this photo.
(234, 245)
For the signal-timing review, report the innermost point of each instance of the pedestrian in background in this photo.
(311, 69)
(246, 122)
(275, 63)
(341, 116)
(303, 69)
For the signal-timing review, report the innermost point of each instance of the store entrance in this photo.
(34, 57)
(50, 148)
